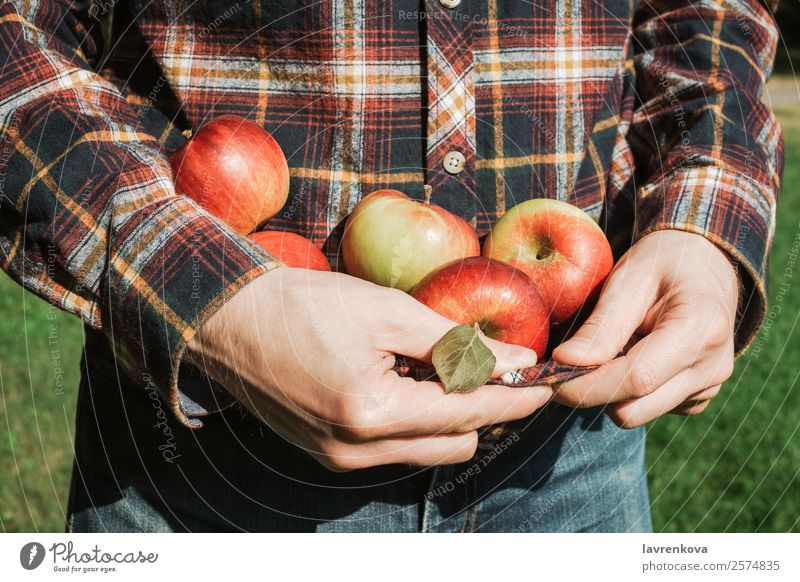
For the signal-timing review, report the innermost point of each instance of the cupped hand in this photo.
(311, 354)
(678, 293)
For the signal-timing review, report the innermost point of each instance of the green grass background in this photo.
(734, 468)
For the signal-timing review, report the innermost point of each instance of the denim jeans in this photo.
(137, 469)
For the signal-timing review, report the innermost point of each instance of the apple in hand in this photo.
(563, 251)
(395, 241)
(502, 300)
(291, 249)
(234, 169)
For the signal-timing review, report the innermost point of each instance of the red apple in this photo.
(234, 169)
(563, 251)
(395, 241)
(291, 249)
(502, 300)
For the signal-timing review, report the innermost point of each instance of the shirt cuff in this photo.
(168, 274)
(730, 210)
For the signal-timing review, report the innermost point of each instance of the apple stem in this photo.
(426, 192)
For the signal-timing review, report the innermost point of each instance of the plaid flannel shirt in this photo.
(645, 114)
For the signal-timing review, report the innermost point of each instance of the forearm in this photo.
(708, 151)
(90, 218)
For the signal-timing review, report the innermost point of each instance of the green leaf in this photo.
(462, 361)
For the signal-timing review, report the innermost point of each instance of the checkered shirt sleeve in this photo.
(710, 152)
(90, 219)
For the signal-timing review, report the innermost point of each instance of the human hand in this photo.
(677, 290)
(311, 354)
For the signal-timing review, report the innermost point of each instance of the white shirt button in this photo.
(449, 3)
(453, 162)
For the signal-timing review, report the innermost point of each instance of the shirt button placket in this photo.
(450, 155)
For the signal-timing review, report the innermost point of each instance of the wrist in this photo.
(223, 329)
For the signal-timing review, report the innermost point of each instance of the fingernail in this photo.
(576, 343)
(512, 377)
(525, 359)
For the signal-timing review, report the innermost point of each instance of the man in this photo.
(645, 114)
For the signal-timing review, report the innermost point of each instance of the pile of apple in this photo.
(237, 171)
(542, 262)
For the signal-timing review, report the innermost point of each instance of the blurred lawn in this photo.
(734, 468)
(37, 409)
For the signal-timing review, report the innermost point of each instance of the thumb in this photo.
(624, 302)
(428, 327)
(509, 356)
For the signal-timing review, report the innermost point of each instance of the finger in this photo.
(691, 408)
(649, 364)
(422, 408)
(624, 302)
(444, 449)
(509, 357)
(633, 413)
(693, 404)
(707, 394)
(426, 327)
